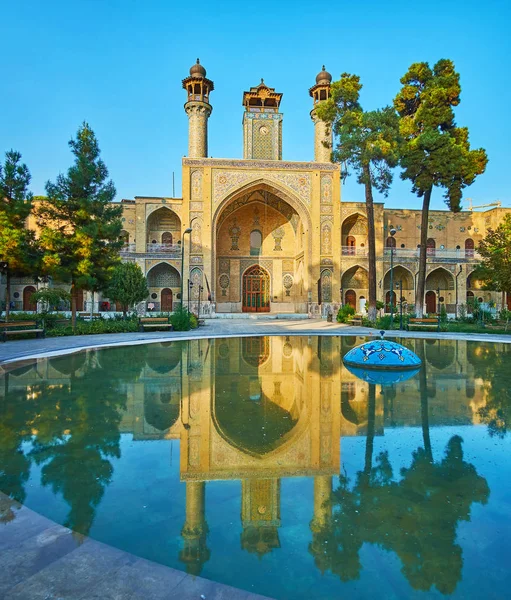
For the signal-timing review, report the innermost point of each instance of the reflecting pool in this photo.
(265, 464)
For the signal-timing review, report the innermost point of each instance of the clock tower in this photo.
(262, 123)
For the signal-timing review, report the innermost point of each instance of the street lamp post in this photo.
(190, 286)
(188, 230)
(201, 289)
(392, 234)
(400, 304)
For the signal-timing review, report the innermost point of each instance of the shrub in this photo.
(345, 312)
(443, 314)
(180, 319)
(194, 321)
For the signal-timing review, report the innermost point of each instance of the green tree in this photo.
(128, 285)
(80, 225)
(51, 297)
(495, 251)
(435, 152)
(368, 143)
(17, 242)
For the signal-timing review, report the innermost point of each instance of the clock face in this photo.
(263, 130)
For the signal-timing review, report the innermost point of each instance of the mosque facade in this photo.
(261, 234)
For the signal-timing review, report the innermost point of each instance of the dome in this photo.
(197, 70)
(382, 354)
(323, 76)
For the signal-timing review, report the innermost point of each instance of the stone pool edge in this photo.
(289, 328)
(40, 559)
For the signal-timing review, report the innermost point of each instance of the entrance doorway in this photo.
(430, 302)
(387, 301)
(256, 290)
(28, 304)
(166, 300)
(350, 297)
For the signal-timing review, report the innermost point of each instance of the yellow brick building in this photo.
(261, 234)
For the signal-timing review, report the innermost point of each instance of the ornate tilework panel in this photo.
(326, 189)
(225, 182)
(326, 238)
(196, 185)
(197, 237)
(163, 275)
(196, 279)
(326, 286)
(266, 198)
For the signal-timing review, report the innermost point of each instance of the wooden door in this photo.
(27, 302)
(431, 247)
(166, 300)
(430, 302)
(166, 239)
(470, 302)
(256, 290)
(387, 301)
(469, 248)
(350, 298)
(351, 243)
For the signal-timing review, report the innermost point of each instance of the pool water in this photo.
(263, 463)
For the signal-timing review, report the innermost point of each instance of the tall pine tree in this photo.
(80, 227)
(367, 142)
(435, 151)
(18, 249)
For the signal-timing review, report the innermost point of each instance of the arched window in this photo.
(351, 244)
(391, 242)
(166, 238)
(256, 241)
(469, 248)
(430, 247)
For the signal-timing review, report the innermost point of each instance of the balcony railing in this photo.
(413, 253)
(170, 250)
(353, 251)
(434, 253)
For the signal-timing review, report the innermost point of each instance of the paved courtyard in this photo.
(23, 349)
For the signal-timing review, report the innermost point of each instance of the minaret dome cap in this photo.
(323, 76)
(197, 70)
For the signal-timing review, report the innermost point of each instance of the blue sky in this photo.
(119, 64)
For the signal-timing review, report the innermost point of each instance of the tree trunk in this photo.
(73, 306)
(421, 277)
(371, 243)
(7, 294)
(124, 311)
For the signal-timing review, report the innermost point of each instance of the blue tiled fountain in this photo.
(382, 361)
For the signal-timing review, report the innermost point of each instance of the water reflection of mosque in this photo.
(260, 409)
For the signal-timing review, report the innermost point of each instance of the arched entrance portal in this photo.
(261, 225)
(430, 302)
(166, 300)
(28, 304)
(256, 290)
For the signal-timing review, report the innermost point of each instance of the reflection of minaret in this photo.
(195, 552)
(260, 515)
(322, 515)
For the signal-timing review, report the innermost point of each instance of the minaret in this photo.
(195, 551)
(262, 123)
(322, 131)
(198, 110)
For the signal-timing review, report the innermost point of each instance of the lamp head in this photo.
(188, 230)
(392, 232)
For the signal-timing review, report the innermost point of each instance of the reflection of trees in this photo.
(73, 430)
(415, 516)
(16, 414)
(491, 362)
(86, 416)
